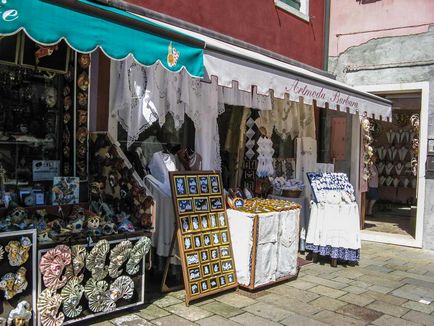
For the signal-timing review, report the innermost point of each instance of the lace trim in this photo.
(334, 252)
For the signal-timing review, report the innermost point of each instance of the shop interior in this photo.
(394, 212)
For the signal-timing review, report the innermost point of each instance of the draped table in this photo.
(265, 246)
(334, 230)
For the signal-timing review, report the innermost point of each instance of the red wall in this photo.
(258, 22)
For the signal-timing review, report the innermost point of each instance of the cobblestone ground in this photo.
(384, 289)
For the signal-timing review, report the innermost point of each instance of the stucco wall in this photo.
(354, 22)
(257, 22)
(395, 60)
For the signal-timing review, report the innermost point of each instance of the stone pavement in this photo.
(384, 289)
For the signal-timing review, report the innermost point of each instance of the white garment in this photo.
(265, 157)
(306, 161)
(159, 166)
(334, 225)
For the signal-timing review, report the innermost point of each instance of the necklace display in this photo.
(398, 168)
(402, 152)
(389, 168)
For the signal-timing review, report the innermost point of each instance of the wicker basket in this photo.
(291, 193)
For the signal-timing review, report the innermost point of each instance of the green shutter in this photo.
(293, 3)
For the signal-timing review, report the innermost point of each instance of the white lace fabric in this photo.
(265, 157)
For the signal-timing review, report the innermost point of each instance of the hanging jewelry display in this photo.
(414, 120)
(83, 86)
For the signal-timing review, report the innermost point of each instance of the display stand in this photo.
(204, 239)
(265, 247)
(29, 293)
(164, 287)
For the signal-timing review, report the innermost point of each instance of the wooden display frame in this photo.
(205, 276)
(138, 278)
(29, 294)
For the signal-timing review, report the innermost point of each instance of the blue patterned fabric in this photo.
(337, 253)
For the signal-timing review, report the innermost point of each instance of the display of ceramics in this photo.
(52, 265)
(48, 307)
(21, 315)
(96, 260)
(14, 283)
(75, 270)
(71, 296)
(138, 252)
(18, 251)
(118, 256)
(122, 288)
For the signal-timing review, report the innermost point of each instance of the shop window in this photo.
(299, 8)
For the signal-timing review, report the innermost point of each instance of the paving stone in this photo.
(358, 312)
(321, 281)
(418, 282)
(357, 299)
(235, 300)
(385, 297)
(249, 319)
(267, 311)
(299, 320)
(354, 289)
(349, 273)
(301, 284)
(291, 304)
(360, 284)
(327, 303)
(414, 293)
(336, 319)
(419, 317)
(425, 308)
(379, 268)
(131, 320)
(381, 281)
(388, 308)
(191, 313)
(301, 295)
(152, 312)
(216, 321)
(387, 320)
(180, 294)
(103, 323)
(381, 289)
(343, 280)
(172, 320)
(166, 301)
(222, 309)
(324, 290)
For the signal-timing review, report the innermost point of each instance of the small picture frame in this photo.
(216, 203)
(215, 238)
(207, 240)
(224, 252)
(197, 241)
(204, 184)
(213, 221)
(215, 184)
(214, 253)
(194, 288)
(194, 273)
(222, 280)
(204, 256)
(216, 268)
(192, 258)
(227, 266)
(185, 225)
(213, 284)
(187, 243)
(195, 224)
(231, 278)
(204, 286)
(184, 206)
(201, 204)
(224, 237)
(206, 270)
(192, 185)
(180, 186)
(204, 223)
(222, 220)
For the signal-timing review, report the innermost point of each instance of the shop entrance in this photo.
(394, 211)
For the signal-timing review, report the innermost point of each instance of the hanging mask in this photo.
(51, 97)
(21, 315)
(83, 81)
(82, 135)
(18, 251)
(84, 61)
(13, 284)
(82, 99)
(67, 103)
(82, 118)
(66, 117)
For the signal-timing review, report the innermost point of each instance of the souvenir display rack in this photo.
(83, 281)
(23, 244)
(204, 239)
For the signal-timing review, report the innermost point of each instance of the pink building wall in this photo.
(354, 22)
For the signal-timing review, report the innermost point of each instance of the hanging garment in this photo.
(265, 158)
(305, 161)
(160, 166)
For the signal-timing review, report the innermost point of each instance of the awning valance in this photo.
(86, 25)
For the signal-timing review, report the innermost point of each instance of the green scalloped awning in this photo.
(86, 25)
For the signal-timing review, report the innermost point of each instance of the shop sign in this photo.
(8, 15)
(45, 170)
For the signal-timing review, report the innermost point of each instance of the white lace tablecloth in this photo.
(277, 245)
(334, 229)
